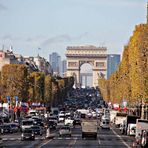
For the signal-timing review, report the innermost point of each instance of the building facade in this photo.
(7, 57)
(113, 61)
(32, 63)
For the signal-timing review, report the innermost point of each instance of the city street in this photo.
(106, 139)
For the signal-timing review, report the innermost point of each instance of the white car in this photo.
(65, 130)
(69, 121)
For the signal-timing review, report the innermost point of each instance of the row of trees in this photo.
(16, 80)
(130, 81)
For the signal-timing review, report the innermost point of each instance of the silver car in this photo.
(64, 131)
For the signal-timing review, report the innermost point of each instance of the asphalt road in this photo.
(106, 139)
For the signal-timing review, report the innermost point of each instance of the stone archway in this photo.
(78, 55)
(86, 75)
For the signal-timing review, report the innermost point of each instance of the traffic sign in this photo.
(16, 98)
(8, 99)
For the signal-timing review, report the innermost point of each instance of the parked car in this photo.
(27, 133)
(65, 130)
(37, 130)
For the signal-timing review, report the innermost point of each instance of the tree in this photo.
(48, 89)
(14, 80)
(37, 86)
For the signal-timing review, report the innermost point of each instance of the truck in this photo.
(120, 117)
(130, 119)
(55, 111)
(113, 115)
(141, 124)
(89, 128)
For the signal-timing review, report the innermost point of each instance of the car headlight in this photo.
(22, 135)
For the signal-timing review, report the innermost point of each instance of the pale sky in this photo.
(52, 25)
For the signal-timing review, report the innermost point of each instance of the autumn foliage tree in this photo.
(14, 79)
(130, 81)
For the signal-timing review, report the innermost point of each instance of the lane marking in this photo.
(99, 141)
(121, 139)
(71, 144)
(45, 143)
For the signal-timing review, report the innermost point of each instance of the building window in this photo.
(72, 64)
(100, 64)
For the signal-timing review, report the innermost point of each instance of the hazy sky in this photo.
(52, 25)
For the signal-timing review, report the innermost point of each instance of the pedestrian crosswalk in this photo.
(14, 139)
(73, 138)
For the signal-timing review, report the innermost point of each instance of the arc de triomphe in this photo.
(78, 55)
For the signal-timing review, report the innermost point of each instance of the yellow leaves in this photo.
(131, 78)
(14, 79)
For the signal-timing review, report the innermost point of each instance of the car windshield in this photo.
(27, 131)
(35, 127)
(65, 128)
(27, 123)
(6, 126)
(13, 125)
(51, 122)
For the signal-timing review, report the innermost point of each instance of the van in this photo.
(105, 123)
(131, 129)
(89, 128)
(120, 117)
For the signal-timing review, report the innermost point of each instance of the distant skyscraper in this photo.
(55, 61)
(64, 67)
(113, 61)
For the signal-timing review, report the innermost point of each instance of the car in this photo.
(27, 133)
(37, 130)
(64, 131)
(52, 124)
(76, 122)
(38, 121)
(69, 121)
(1, 142)
(6, 128)
(15, 127)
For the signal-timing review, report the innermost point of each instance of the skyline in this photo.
(53, 25)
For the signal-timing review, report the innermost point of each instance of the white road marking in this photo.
(45, 143)
(99, 141)
(71, 144)
(121, 139)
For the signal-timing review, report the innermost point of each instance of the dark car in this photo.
(37, 130)
(1, 142)
(6, 128)
(28, 134)
(15, 127)
(38, 121)
(76, 122)
(52, 124)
